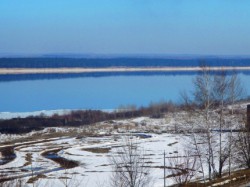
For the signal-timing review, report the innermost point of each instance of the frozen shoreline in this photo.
(5, 71)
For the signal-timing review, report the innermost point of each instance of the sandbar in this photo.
(5, 71)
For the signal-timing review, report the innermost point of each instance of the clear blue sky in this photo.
(219, 27)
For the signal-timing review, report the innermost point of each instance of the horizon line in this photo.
(117, 55)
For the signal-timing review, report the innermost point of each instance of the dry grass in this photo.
(170, 144)
(63, 162)
(237, 179)
(97, 150)
(28, 159)
(34, 179)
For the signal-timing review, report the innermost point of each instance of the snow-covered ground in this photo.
(94, 170)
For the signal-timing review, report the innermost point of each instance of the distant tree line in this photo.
(80, 118)
(117, 62)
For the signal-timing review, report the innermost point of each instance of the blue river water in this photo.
(94, 92)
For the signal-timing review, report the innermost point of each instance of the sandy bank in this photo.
(4, 71)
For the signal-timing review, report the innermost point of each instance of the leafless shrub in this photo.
(212, 91)
(13, 183)
(243, 145)
(130, 167)
(183, 168)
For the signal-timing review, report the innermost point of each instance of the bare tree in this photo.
(236, 90)
(183, 168)
(203, 90)
(130, 167)
(220, 94)
(196, 150)
(226, 89)
(212, 93)
(203, 96)
(243, 145)
(18, 182)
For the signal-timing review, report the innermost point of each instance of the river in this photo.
(27, 93)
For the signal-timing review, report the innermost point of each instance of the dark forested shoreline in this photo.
(119, 62)
(80, 118)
